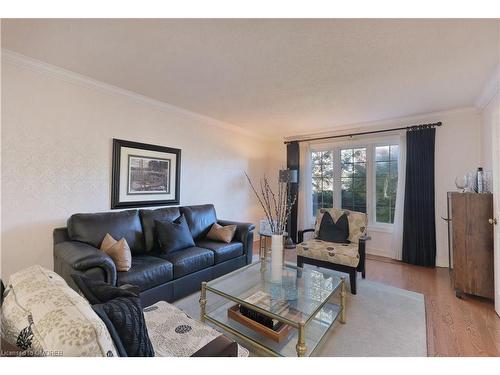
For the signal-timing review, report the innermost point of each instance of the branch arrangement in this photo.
(277, 206)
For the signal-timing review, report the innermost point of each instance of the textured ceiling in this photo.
(276, 77)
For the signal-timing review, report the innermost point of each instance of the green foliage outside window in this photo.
(386, 182)
(353, 179)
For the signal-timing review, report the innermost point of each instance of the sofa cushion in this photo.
(200, 219)
(92, 228)
(173, 235)
(345, 254)
(146, 272)
(222, 251)
(189, 260)
(43, 314)
(148, 218)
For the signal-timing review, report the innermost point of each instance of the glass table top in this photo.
(293, 294)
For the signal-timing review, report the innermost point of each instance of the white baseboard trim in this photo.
(380, 252)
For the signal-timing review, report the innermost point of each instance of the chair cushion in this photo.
(173, 235)
(92, 228)
(222, 251)
(189, 260)
(148, 218)
(146, 272)
(200, 219)
(345, 254)
(357, 222)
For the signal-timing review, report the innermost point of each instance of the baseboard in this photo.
(380, 253)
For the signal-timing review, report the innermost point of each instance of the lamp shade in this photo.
(288, 175)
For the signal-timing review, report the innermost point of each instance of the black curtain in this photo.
(292, 162)
(419, 227)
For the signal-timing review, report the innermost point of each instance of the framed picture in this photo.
(145, 175)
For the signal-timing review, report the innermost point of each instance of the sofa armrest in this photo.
(300, 237)
(71, 256)
(244, 234)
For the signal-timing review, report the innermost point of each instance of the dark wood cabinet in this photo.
(471, 243)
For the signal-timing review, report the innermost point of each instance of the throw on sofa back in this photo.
(357, 221)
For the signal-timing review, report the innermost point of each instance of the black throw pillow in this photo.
(125, 321)
(331, 231)
(174, 235)
(121, 311)
(96, 291)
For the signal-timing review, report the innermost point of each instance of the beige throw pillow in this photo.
(220, 233)
(119, 251)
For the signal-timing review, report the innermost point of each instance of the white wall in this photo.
(57, 132)
(488, 121)
(490, 126)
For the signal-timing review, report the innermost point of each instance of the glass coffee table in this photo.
(301, 303)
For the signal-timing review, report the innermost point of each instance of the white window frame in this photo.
(369, 144)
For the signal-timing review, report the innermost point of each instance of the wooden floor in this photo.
(455, 327)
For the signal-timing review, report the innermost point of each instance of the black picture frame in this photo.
(116, 203)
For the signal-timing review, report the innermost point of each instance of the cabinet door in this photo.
(479, 246)
(458, 205)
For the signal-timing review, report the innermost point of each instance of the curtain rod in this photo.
(411, 127)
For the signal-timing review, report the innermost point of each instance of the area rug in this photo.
(382, 321)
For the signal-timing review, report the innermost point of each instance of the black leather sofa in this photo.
(158, 276)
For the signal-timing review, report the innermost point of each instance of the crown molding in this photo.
(373, 125)
(491, 89)
(20, 60)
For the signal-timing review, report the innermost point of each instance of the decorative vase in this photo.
(276, 257)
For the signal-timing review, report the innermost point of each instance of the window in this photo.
(357, 177)
(322, 180)
(353, 179)
(386, 185)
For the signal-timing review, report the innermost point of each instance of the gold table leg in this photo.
(342, 301)
(301, 342)
(203, 301)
